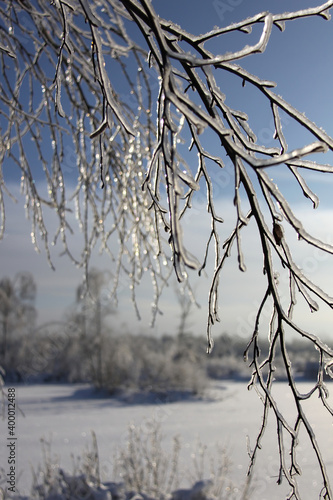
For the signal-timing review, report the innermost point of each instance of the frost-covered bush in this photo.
(226, 367)
(46, 357)
(143, 470)
(136, 364)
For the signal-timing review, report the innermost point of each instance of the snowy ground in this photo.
(66, 414)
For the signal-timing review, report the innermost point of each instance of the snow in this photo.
(66, 415)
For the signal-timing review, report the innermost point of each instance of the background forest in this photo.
(84, 347)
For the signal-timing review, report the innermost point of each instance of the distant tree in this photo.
(186, 303)
(93, 306)
(17, 307)
(101, 109)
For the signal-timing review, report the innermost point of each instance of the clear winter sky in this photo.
(300, 60)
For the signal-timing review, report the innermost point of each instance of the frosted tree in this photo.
(99, 101)
(90, 316)
(17, 309)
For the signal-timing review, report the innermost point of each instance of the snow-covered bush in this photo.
(143, 470)
(225, 367)
(136, 363)
(132, 363)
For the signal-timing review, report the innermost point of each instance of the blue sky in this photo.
(300, 60)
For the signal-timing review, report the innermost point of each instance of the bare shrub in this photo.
(142, 468)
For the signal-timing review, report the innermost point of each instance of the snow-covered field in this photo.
(66, 414)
